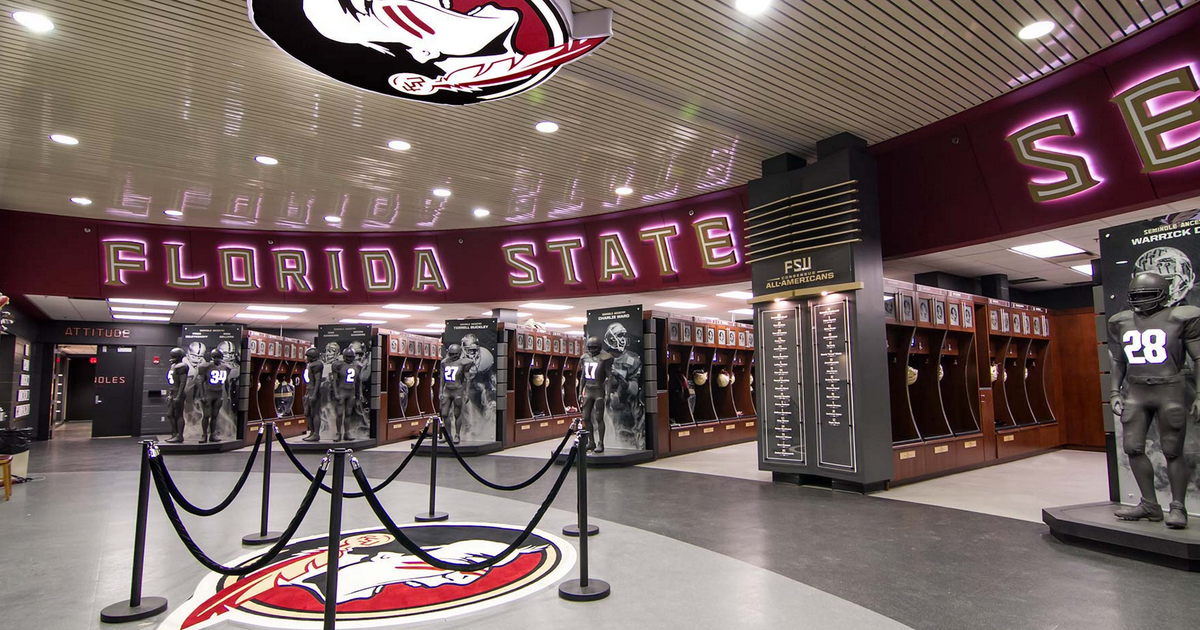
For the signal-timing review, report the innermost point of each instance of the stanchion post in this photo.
(264, 536)
(332, 554)
(433, 515)
(572, 530)
(138, 607)
(584, 589)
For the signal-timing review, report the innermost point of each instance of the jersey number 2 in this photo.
(349, 375)
(1151, 343)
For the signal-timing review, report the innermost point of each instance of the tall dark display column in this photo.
(813, 247)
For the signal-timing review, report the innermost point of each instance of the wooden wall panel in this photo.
(1076, 396)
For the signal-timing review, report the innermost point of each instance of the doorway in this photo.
(74, 398)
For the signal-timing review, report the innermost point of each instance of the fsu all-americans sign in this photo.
(450, 52)
(696, 242)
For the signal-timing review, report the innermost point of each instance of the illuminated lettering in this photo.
(337, 283)
(428, 273)
(176, 279)
(666, 266)
(116, 263)
(238, 271)
(526, 273)
(379, 270)
(1075, 176)
(291, 270)
(566, 249)
(711, 243)
(614, 259)
(1149, 130)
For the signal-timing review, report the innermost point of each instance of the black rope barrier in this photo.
(357, 495)
(496, 486)
(210, 564)
(191, 508)
(361, 477)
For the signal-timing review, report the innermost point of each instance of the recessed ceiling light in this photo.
(1048, 249)
(399, 145)
(752, 7)
(142, 318)
(520, 314)
(363, 321)
(742, 311)
(1083, 269)
(623, 190)
(682, 305)
(441, 192)
(736, 295)
(481, 212)
(546, 126)
(575, 333)
(135, 309)
(486, 313)
(436, 326)
(378, 315)
(63, 138)
(83, 201)
(262, 316)
(275, 309)
(35, 22)
(576, 320)
(173, 213)
(423, 331)
(411, 307)
(266, 159)
(1036, 30)
(145, 302)
(538, 306)
(554, 325)
(333, 218)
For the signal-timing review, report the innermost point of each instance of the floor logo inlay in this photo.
(380, 585)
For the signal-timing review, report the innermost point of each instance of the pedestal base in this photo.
(257, 539)
(465, 448)
(613, 457)
(595, 590)
(300, 446)
(426, 517)
(122, 612)
(1092, 525)
(572, 530)
(197, 447)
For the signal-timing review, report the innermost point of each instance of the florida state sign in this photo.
(450, 52)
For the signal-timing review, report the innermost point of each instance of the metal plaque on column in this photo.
(834, 398)
(783, 426)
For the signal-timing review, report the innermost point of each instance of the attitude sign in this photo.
(450, 52)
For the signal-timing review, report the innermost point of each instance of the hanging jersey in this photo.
(1154, 345)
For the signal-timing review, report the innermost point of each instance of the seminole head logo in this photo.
(451, 52)
(380, 584)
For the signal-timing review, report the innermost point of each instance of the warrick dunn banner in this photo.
(696, 242)
(450, 52)
(1169, 246)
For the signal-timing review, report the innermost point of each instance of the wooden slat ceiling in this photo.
(172, 100)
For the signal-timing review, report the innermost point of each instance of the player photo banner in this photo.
(345, 387)
(477, 340)
(620, 333)
(198, 342)
(1169, 246)
(449, 52)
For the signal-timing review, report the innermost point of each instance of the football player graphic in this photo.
(595, 366)
(1171, 264)
(1149, 344)
(177, 379)
(483, 377)
(456, 374)
(628, 413)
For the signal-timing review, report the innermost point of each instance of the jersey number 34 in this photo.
(1151, 344)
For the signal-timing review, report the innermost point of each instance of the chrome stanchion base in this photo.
(434, 517)
(572, 530)
(595, 590)
(122, 612)
(257, 539)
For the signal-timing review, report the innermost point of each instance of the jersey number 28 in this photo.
(1152, 344)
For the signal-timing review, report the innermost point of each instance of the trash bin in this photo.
(15, 441)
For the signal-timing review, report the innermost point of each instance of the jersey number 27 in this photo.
(1152, 344)
(451, 373)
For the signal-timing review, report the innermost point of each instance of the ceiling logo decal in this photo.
(450, 52)
(380, 585)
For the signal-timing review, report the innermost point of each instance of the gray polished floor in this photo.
(683, 550)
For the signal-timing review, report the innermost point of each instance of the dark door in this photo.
(114, 392)
(81, 389)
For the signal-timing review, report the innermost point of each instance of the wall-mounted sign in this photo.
(450, 52)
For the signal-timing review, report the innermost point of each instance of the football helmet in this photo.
(195, 352)
(348, 355)
(470, 346)
(593, 345)
(1149, 291)
(911, 375)
(454, 352)
(616, 337)
(177, 354)
(216, 355)
(723, 379)
(699, 377)
(1172, 264)
(312, 354)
